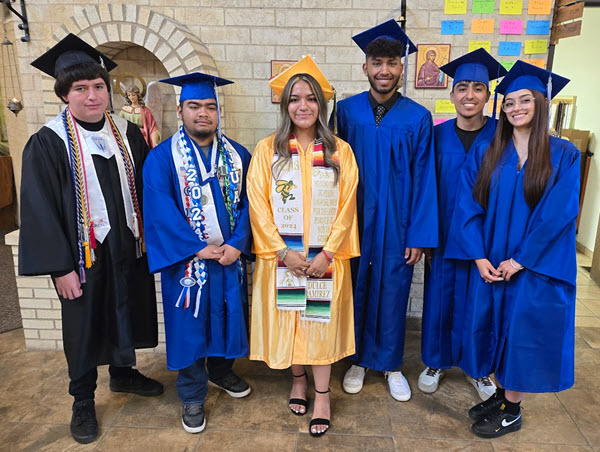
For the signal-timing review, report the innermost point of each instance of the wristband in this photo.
(512, 264)
(329, 258)
(281, 254)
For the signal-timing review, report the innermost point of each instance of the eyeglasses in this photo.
(525, 103)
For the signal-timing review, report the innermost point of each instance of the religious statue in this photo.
(136, 111)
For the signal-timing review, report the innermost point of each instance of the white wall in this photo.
(577, 59)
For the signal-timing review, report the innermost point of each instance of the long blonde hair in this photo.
(286, 128)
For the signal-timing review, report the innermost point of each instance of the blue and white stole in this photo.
(310, 295)
(199, 202)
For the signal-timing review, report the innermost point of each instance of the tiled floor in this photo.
(35, 407)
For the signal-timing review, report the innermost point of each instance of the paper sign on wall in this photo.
(507, 64)
(491, 106)
(482, 26)
(539, 62)
(506, 48)
(444, 106)
(455, 7)
(511, 27)
(536, 46)
(437, 121)
(453, 27)
(474, 45)
(538, 27)
(493, 84)
(511, 7)
(540, 7)
(483, 6)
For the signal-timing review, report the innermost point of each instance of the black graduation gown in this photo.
(117, 312)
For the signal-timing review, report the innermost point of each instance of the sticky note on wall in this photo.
(453, 27)
(506, 48)
(444, 106)
(539, 62)
(539, 7)
(538, 27)
(511, 6)
(536, 46)
(483, 6)
(507, 64)
(474, 45)
(455, 7)
(482, 26)
(511, 27)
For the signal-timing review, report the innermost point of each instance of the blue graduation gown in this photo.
(446, 281)
(221, 326)
(396, 200)
(523, 329)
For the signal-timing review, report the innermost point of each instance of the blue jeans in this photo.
(192, 382)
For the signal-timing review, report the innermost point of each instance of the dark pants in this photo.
(192, 382)
(83, 387)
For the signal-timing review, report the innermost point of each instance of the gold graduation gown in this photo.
(278, 337)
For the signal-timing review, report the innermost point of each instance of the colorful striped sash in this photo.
(310, 295)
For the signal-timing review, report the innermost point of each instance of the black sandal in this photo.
(319, 420)
(300, 402)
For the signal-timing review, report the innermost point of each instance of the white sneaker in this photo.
(354, 378)
(485, 386)
(429, 379)
(398, 386)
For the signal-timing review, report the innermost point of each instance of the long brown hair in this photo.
(539, 167)
(282, 136)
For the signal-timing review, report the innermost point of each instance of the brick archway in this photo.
(112, 28)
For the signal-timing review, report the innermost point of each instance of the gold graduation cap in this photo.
(305, 66)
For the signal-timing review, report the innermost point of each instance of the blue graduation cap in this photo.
(527, 76)
(476, 66)
(388, 30)
(199, 86)
(71, 51)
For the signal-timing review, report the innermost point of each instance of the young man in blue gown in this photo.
(446, 281)
(197, 234)
(392, 138)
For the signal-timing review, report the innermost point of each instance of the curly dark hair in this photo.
(385, 48)
(72, 74)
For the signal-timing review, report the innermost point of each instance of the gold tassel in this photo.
(334, 113)
(88, 255)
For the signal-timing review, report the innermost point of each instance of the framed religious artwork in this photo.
(427, 70)
(277, 67)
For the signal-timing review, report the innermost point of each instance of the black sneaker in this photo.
(232, 385)
(497, 423)
(479, 411)
(84, 425)
(136, 383)
(193, 419)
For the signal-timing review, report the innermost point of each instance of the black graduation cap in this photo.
(475, 66)
(390, 30)
(70, 51)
